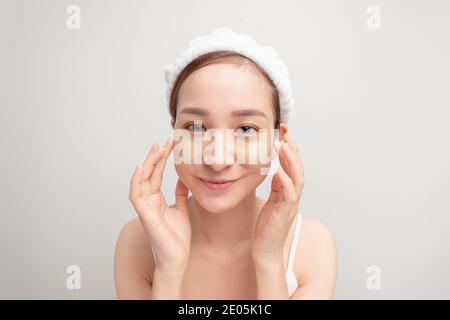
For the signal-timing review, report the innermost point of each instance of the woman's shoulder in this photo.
(133, 249)
(316, 250)
(314, 229)
(133, 232)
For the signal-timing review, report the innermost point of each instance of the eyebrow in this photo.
(194, 110)
(237, 113)
(248, 112)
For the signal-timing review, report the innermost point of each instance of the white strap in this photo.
(294, 242)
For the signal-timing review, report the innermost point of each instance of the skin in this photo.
(229, 244)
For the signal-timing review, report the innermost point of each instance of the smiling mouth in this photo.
(218, 184)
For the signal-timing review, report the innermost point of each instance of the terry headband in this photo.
(226, 39)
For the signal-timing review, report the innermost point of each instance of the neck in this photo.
(230, 228)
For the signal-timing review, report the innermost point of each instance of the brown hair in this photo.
(216, 57)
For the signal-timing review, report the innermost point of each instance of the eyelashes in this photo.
(252, 130)
(196, 127)
(245, 130)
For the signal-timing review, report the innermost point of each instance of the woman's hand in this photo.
(278, 213)
(168, 228)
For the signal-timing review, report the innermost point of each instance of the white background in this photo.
(80, 108)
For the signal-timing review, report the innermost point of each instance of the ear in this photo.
(282, 131)
(172, 123)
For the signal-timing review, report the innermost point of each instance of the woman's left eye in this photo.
(246, 130)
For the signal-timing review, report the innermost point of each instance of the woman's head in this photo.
(226, 91)
(231, 58)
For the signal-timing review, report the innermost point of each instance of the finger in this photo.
(152, 158)
(157, 174)
(290, 141)
(288, 189)
(295, 166)
(135, 195)
(278, 146)
(181, 195)
(149, 165)
(284, 161)
(275, 189)
(135, 184)
(294, 147)
(276, 185)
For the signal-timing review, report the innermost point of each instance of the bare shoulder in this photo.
(132, 230)
(316, 251)
(316, 231)
(133, 256)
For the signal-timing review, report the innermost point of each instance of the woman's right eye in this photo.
(195, 127)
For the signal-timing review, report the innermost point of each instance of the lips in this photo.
(218, 184)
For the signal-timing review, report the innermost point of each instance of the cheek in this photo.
(192, 148)
(185, 172)
(250, 181)
(188, 173)
(252, 150)
(255, 150)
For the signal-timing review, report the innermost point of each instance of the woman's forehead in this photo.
(225, 87)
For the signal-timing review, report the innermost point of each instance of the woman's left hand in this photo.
(278, 213)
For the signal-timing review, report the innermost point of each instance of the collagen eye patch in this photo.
(223, 146)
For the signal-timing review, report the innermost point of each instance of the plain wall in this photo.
(81, 108)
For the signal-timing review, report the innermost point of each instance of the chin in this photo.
(218, 200)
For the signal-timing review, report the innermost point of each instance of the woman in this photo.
(224, 242)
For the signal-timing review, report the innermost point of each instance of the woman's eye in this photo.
(195, 127)
(246, 130)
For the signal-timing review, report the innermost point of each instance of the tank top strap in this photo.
(294, 243)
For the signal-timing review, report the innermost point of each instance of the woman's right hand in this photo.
(168, 228)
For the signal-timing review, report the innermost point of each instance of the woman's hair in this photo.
(216, 57)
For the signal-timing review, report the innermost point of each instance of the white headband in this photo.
(226, 39)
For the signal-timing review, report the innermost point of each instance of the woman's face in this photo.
(233, 114)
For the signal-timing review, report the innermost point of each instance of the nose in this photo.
(219, 152)
(219, 167)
